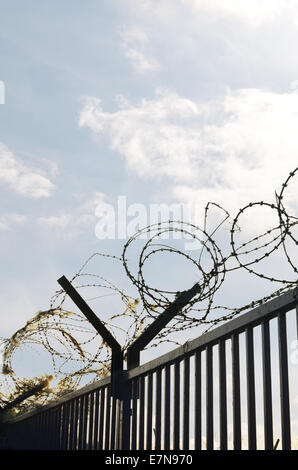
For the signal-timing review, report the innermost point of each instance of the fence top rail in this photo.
(68, 397)
(268, 310)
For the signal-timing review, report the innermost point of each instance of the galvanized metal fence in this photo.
(234, 387)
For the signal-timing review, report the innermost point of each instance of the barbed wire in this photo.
(77, 351)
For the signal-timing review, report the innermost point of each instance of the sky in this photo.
(160, 102)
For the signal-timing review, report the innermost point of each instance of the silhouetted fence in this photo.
(233, 387)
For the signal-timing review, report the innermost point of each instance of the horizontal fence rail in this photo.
(231, 388)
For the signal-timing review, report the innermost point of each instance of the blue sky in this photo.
(161, 101)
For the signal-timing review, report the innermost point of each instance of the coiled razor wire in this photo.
(77, 350)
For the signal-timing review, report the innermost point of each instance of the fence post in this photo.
(124, 413)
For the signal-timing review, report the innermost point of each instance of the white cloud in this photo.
(23, 180)
(232, 150)
(161, 9)
(221, 42)
(7, 221)
(147, 135)
(75, 222)
(254, 13)
(135, 46)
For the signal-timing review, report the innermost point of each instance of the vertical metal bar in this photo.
(38, 426)
(113, 422)
(14, 433)
(55, 429)
(101, 421)
(77, 424)
(16, 436)
(125, 415)
(118, 424)
(19, 435)
(223, 395)
(39, 431)
(85, 426)
(81, 422)
(198, 401)
(86, 421)
(267, 389)
(251, 397)
(209, 397)
(65, 426)
(42, 431)
(158, 411)
(62, 426)
(149, 413)
(49, 429)
(54, 424)
(134, 385)
(185, 442)
(91, 421)
(59, 429)
(96, 419)
(36, 431)
(29, 440)
(176, 430)
(47, 435)
(284, 382)
(167, 408)
(69, 418)
(57, 426)
(72, 424)
(236, 393)
(45, 431)
(107, 419)
(142, 410)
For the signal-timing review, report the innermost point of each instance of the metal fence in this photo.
(234, 387)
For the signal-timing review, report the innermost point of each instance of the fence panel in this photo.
(215, 392)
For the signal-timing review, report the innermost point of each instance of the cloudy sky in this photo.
(168, 101)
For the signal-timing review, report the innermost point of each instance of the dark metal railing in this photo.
(215, 391)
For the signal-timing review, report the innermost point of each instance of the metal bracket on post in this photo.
(117, 354)
(133, 352)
